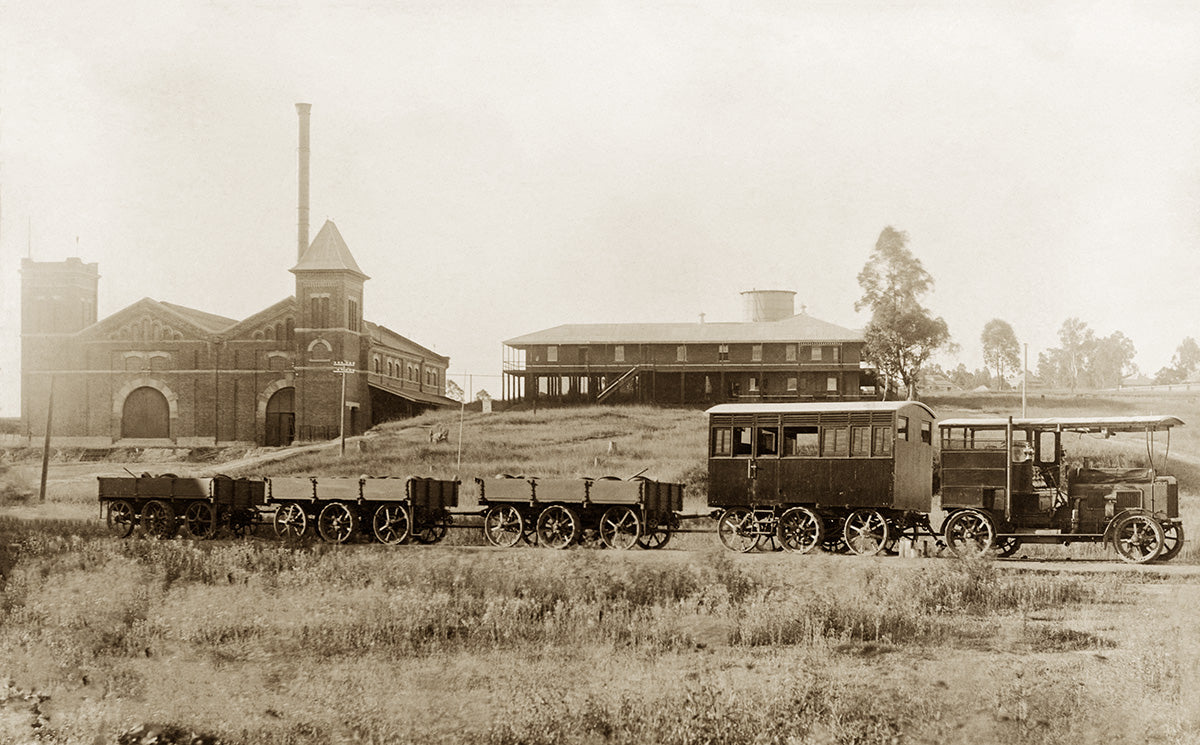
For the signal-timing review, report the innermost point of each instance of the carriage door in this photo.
(764, 466)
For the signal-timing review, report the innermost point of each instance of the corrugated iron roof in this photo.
(800, 327)
(819, 407)
(328, 252)
(207, 321)
(1074, 424)
(386, 337)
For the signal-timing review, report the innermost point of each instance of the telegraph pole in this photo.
(343, 368)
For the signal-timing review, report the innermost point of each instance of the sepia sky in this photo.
(500, 168)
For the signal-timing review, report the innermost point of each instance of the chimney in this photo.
(302, 229)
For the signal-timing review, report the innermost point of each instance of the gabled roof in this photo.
(196, 322)
(800, 327)
(210, 322)
(328, 252)
(383, 336)
(282, 308)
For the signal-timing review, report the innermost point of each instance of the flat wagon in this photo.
(556, 512)
(808, 475)
(1006, 482)
(389, 510)
(161, 505)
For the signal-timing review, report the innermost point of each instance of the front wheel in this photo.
(737, 530)
(391, 524)
(291, 521)
(1138, 539)
(620, 527)
(1173, 541)
(800, 530)
(337, 522)
(503, 525)
(867, 532)
(200, 520)
(970, 533)
(558, 526)
(158, 519)
(120, 518)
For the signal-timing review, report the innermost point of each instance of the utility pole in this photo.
(343, 368)
(1024, 381)
(46, 443)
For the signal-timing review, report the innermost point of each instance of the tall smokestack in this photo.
(302, 229)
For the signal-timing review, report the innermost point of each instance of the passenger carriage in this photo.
(838, 474)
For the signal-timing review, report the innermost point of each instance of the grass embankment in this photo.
(259, 643)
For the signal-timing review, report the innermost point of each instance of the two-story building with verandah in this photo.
(773, 355)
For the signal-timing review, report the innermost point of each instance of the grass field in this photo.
(256, 642)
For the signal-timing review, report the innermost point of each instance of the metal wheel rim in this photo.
(970, 533)
(557, 527)
(120, 519)
(503, 526)
(291, 521)
(158, 519)
(866, 532)
(1138, 539)
(735, 530)
(391, 524)
(1172, 541)
(800, 530)
(336, 523)
(620, 528)
(1006, 547)
(654, 537)
(200, 520)
(432, 531)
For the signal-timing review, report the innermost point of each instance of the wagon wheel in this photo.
(291, 521)
(1006, 547)
(558, 526)
(1138, 538)
(337, 522)
(620, 527)
(503, 525)
(800, 530)
(655, 535)
(200, 520)
(970, 533)
(432, 530)
(158, 519)
(391, 524)
(737, 530)
(120, 518)
(866, 532)
(1172, 541)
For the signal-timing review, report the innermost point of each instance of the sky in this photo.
(501, 168)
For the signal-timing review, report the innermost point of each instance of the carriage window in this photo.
(768, 442)
(901, 428)
(803, 441)
(721, 442)
(860, 442)
(927, 433)
(1046, 448)
(881, 441)
(742, 442)
(835, 441)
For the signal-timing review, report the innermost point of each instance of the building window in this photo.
(319, 310)
(681, 353)
(753, 385)
(791, 385)
(378, 366)
(816, 354)
(837, 353)
(790, 352)
(552, 354)
(723, 353)
(756, 353)
(831, 384)
(619, 353)
(352, 314)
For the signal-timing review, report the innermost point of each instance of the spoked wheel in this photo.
(1006, 547)
(503, 525)
(655, 535)
(737, 530)
(1138, 538)
(200, 520)
(291, 521)
(620, 527)
(337, 522)
(866, 532)
(432, 530)
(970, 533)
(558, 526)
(120, 518)
(158, 519)
(1172, 541)
(391, 524)
(800, 530)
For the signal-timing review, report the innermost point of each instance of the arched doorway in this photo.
(146, 414)
(281, 418)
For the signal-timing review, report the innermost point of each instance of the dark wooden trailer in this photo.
(162, 504)
(556, 512)
(389, 510)
(837, 474)
(1009, 481)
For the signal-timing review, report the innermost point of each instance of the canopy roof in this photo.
(1072, 424)
(830, 407)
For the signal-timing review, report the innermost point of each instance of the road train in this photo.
(848, 476)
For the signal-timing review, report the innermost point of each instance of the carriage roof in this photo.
(1072, 424)
(830, 407)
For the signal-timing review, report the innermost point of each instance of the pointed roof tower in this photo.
(328, 253)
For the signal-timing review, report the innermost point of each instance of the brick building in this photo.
(774, 355)
(156, 373)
